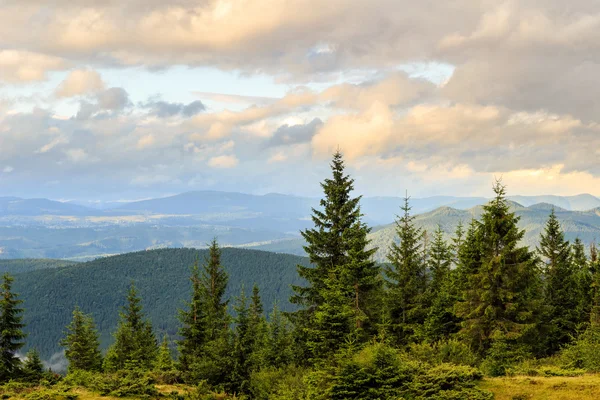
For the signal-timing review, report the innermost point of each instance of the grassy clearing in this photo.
(540, 388)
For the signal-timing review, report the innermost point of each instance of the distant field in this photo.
(586, 387)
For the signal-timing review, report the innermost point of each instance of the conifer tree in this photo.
(337, 247)
(164, 360)
(205, 347)
(278, 352)
(213, 284)
(243, 344)
(135, 345)
(33, 368)
(11, 330)
(595, 271)
(441, 321)
(406, 280)
(193, 330)
(81, 343)
(457, 240)
(561, 291)
(502, 293)
(257, 328)
(583, 272)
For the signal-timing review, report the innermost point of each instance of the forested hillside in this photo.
(21, 265)
(162, 276)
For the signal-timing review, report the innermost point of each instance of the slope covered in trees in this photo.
(162, 278)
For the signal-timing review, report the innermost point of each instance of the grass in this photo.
(541, 388)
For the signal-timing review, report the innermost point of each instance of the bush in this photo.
(52, 394)
(118, 384)
(584, 353)
(447, 381)
(278, 383)
(451, 351)
(376, 372)
(502, 357)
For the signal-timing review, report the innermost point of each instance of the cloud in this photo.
(163, 109)
(80, 82)
(27, 66)
(223, 162)
(287, 135)
(112, 100)
(8, 169)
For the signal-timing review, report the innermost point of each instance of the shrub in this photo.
(278, 383)
(502, 357)
(584, 353)
(447, 381)
(451, 351)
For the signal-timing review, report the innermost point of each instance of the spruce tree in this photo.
(33, 368)
(11, 330)
(213, 284)
(257, 329)
(193, 332)
(278, 352)
(135, 345)
(582, 269)
(81, 343)
(164, 360)
(205, 347)
(595, 287)
(561, 291)
(406, 279)
(441, 321)
(501, 296)
(337, 249)
(243, 344)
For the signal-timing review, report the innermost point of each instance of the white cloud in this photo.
(80, 82)
(225, 161)
(8, 169)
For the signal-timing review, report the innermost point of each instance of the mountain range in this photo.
(42, 228)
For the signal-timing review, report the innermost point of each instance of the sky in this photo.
(119, 100)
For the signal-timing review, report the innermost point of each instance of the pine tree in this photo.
(561, 291)
(135, 345)
(457, 241)
(243, 345)
(193, 330)
(595, 287)
(583, 272)
(11, 330)
(337, 246)
(81, 343)
(205, 347)
(502, 292)
(164, 360)
(257, 328)
(213, 284)
(406, 281)
(441, 321)
(33, 368)
(278, 352)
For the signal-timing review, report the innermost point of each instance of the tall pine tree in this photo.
(342, 266)
(406, 279)
(441, 321)
(501, 296)
(81, 343)
(193, 331)
(11, 330)
(135, 345)
(561, 298)
(582, 269)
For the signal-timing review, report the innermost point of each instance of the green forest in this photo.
(434, 322)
